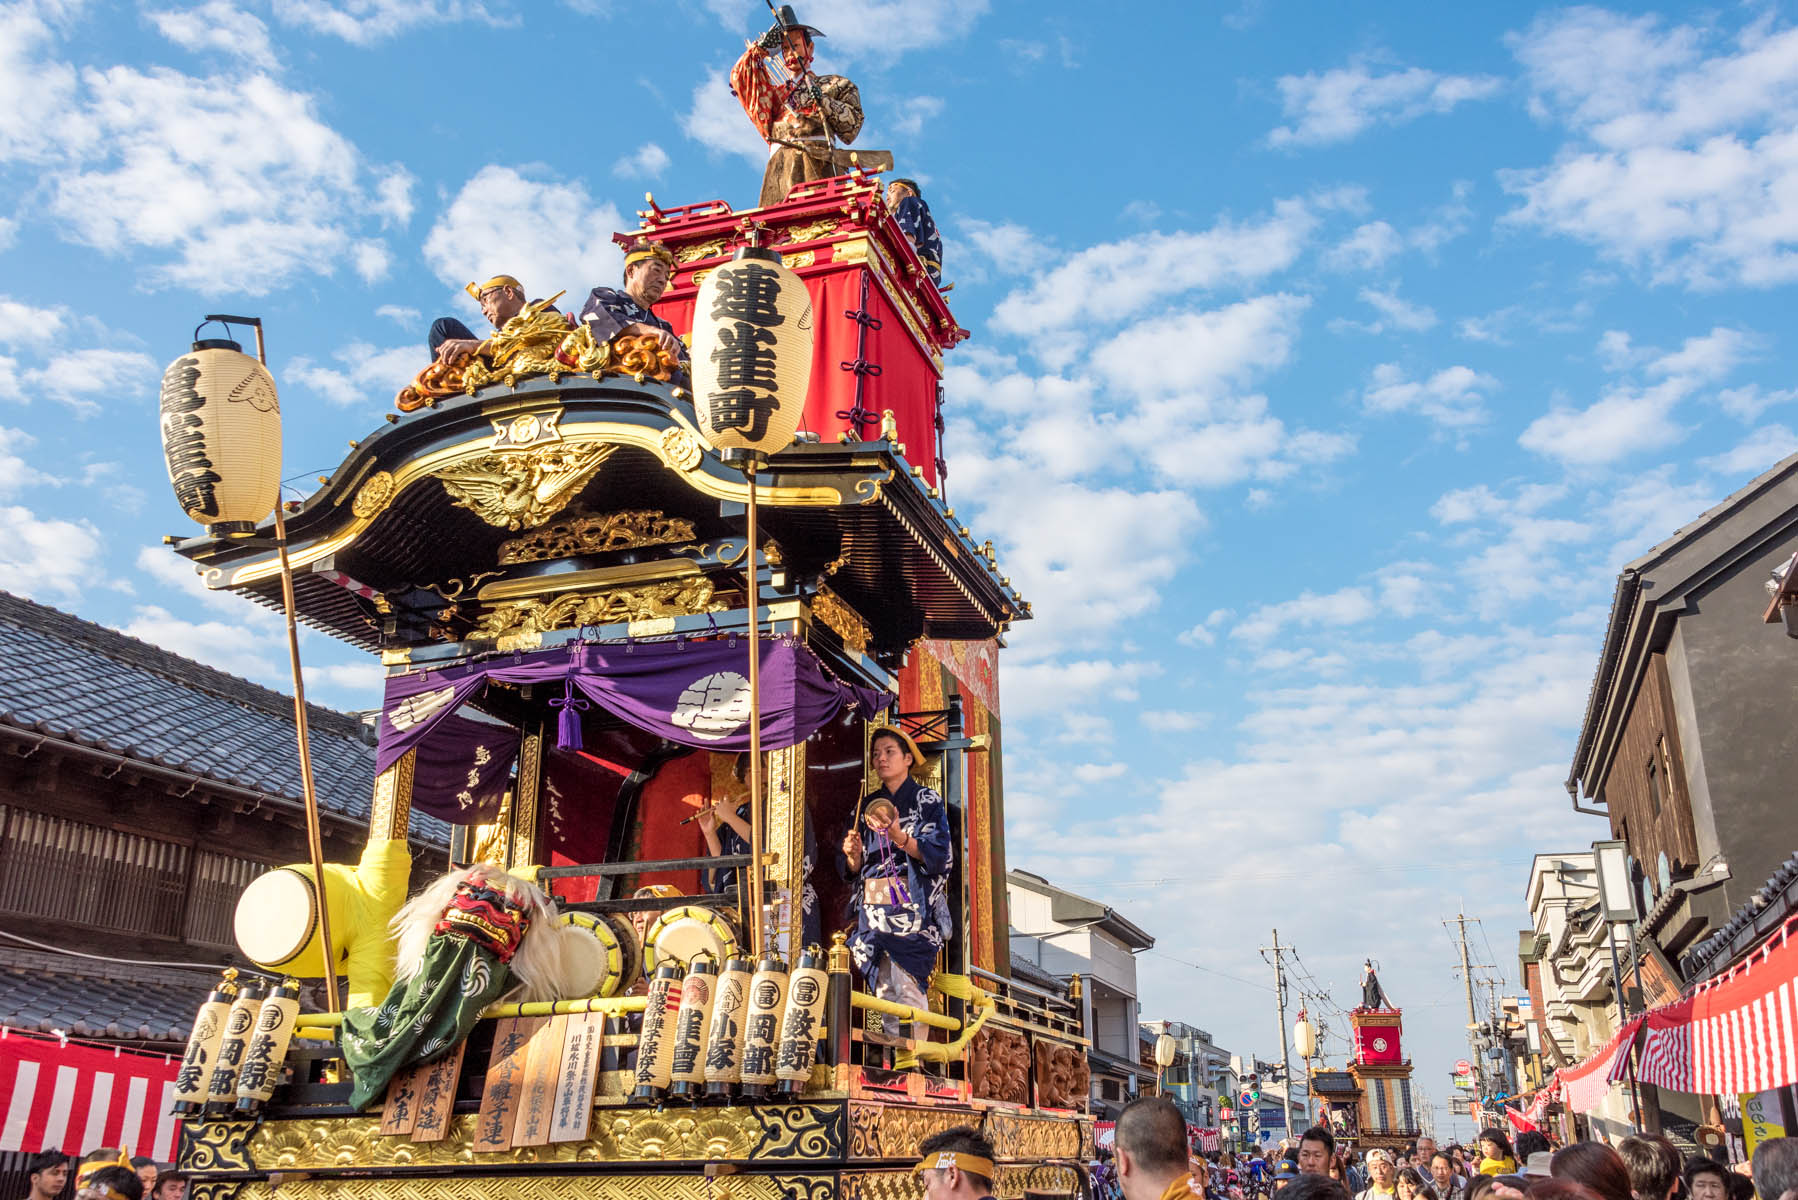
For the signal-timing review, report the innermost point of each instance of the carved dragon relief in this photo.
(523, 490)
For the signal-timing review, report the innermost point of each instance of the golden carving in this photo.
(521, 849)
(627, 354)
(1015, 1136)
(842, 620)
(523, 490)
(391, 813)
(764, 1132)
(681, 449)
(852, 251)
(519, 623)
(1015, 1180)
(594, 534)
(883, 1185)
(373, 495)
(786, 837)
(711, 249)
(526, 430)
(811, 231)
(525, 345)
(799, 258)
(894, 1130)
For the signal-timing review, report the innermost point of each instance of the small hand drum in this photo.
(680, 934)
(618, 941)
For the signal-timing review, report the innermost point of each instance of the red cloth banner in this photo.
(80, 1097)
(1586, 1085)
(1519, 1122)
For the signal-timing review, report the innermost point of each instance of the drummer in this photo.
(898, 856)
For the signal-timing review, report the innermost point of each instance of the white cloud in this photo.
(1118, 279)
(18, 464)
(9, 233)
(1749, 402)
(369, 376)
(1625, 421)
(1099, 772)
(1010, 248)
(647, 161)
(716, 121)
(1340, 104)
(234, 180)
(24, 324)
(1366, 249)
(39, 119)
(1475, 503)
(367, 678)
(1754, 453)
(1202, 351)
(78, 377)
(548, 233)
(1683, 160)
(1161, 720)
(400, 314)
(1708, 358)
(218, 27)
(1205, 632)
(914, 114)
(1398, 313)
(46, 558)
(364, 22)
(1347, 606)
(1452, 398)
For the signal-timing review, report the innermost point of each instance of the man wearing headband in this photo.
(630, 312)
(906, 203)
(108, 1178)
(1152, 1151)
(501, 298)
(897, 858)
(957, 1165)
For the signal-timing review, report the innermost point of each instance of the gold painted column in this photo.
(523, 845)
(785, 844)
(391, 818)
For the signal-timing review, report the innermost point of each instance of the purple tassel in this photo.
(568, 722)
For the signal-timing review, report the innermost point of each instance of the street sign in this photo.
(1462, 1066)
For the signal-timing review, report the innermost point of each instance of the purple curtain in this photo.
(463, 769)
(694, 693)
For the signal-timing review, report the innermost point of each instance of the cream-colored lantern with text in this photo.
(752, 354)
(1304, 1037)
(221, 437)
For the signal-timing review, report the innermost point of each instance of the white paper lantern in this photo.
(1304, 1037)
(1165, 1049)
(752, 354)
(221, 436)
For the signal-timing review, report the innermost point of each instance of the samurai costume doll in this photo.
(472, 938)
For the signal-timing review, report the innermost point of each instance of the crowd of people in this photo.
(107, 1174)
(1641, 1167)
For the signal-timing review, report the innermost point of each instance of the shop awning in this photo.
(78, 1097)
(1736, 1033)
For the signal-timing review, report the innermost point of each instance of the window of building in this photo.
(1654, 784)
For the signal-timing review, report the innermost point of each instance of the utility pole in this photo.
(1473, 1020)
(1278, 951)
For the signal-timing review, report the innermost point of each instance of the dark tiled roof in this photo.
(84, 1006)
(1765, 911)
(81, 682)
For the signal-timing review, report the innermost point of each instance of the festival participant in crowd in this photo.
(1316, 1148)
(1285, 1171)
(1383, 1173)
(1448, 1181)
(906, 202)
(113, 1181)
(898, 857)
(1478, 1187)
(145, 1166)
(1707, 1179)
(46, 1173)
(957, 1164)
(1496, 1155)
(1151, 1151)
(791, 115)
(501, 298)
(611, 313)
(1422, 1151)
(1414, 1185)
(1775, 1167)
(171, 1184)
(1595, 1165)
(1315, 1187)
(1651, 1175)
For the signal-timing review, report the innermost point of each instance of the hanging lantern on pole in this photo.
(752, 367)
(221, 436)
(1304, 1037)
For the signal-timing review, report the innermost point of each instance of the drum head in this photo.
(276, 916)
(623, 958)
(680, 934)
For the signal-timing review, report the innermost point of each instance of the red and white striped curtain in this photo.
(78, 1097)
(1736, 1033)
(1586, 1085)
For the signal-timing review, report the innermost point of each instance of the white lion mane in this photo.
(553, 962)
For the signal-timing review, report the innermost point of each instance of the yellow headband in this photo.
(87, 1170)
(973, 1164)
(650, 250)
(476, 289)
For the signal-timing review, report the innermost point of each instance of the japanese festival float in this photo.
(644, 609)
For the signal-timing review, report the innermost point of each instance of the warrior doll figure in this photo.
(801, 117)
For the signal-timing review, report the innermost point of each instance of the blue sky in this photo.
(1328, 361)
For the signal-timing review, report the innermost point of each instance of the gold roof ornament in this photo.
(523, 490)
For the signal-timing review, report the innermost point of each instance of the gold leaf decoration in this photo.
(523, 490)
(373, 495)
(521, 623)
(595, 534)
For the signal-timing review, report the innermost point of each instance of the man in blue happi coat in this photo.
(897, 859)
(630, 311)
(913, 215)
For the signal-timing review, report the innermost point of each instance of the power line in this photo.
(1209, 970)
(1344, 869)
